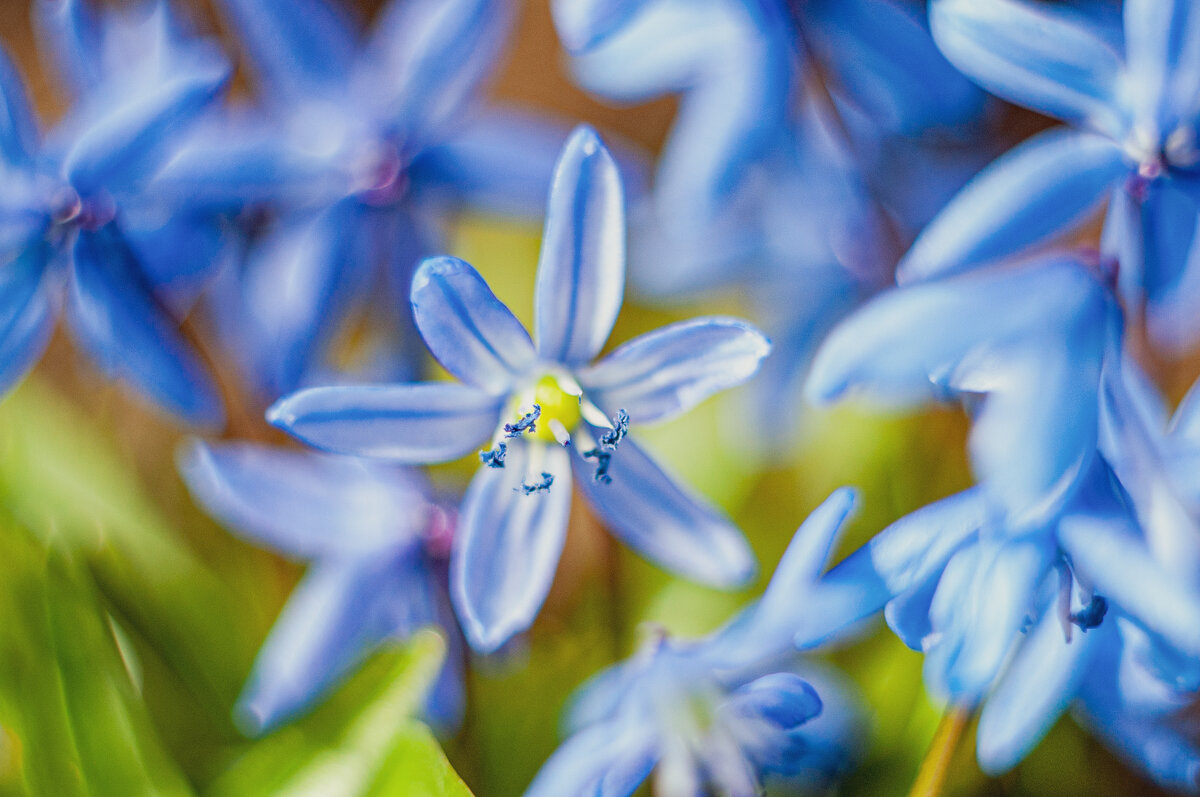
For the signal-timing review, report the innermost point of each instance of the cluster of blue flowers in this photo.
(828, 162)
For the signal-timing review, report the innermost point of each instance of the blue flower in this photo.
(371, 538)
(563, 415)
(361, 146)
(65, 228)
(1023, 346)
(726, 710)
(1130, 105)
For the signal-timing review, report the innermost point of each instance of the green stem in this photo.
(931, 778)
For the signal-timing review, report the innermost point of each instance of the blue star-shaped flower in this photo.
(360, 147)
(63, 215)
(1130, 100)
(372, 538)
(548, 412)
(725, 710)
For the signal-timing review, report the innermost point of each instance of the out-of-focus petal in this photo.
(411, 423)
(782, 699)
(657, 517)
(127, 332)
(297, 46)
(470, 332)
(610, 759)
(508, 541)
(500, 162)
(426, 58)
(1040, 189)
(29, 300)
(18, 127)
(583, 23)
(581, 271)
(121, 140)
(1036, 687)
(1032, 56)
(1162, 50)
(301, 504)
(667, 372)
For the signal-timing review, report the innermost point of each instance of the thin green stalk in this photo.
(931, 778)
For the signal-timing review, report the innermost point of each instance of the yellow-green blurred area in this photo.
(129, 620)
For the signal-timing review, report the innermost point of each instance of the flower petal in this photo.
(581, 272)
(606, 760)
(29, 301)
(1038, 683)
(1120, 567)
(302, 504)
(334, 618)
(18, 127)
(1032, 56)
(1162, 50)
(670, 370)
(426, 58)
(782, 699)
(410, 423)
(508, 542)
(128, 333)
(470, 332)
(121, 142)
(296, 47)
(583, 23)
(1042, 188)
(658, 518)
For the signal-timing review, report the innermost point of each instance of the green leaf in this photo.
(363, 742)
(74, 721)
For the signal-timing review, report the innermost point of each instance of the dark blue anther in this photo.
(613, 437)
(495, 457)
(526, 424)
(603, 460)
(1091, 615)
(540, 487)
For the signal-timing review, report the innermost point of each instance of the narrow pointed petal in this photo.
(1041, 189)
(908, 614)
(1032, 56)
(18, 127)
(583, 23)
(664, 373)
(128, 333)
(470, 332)
(29, 301)
(581, 272)
(1038, 684)
(427, 58)
(301, 504)
(1120, 567)
(71, 33)
(508, 542)
(410, 423)
(658, 518)
(607, 760)
(126, 141)
(1162, 49)
(330, 623)
(295, 47)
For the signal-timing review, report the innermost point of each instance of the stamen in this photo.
(607, 446)
(1091, 615)
(540, 487)
(495, 457)
(527, 424)
(603, 460)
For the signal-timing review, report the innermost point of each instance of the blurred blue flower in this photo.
(554, 413)
(376, 546)
(1130, 100)
(64, 211)
(360, 146)
(1023, 346)
(728, 710)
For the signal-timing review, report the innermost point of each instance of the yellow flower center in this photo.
(555, 403)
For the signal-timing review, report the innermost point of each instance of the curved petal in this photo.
(29, 300)
(296, 47)
(1038, 684)
(426, 58)
(581, 271)
(908, 614)
(1120, 567)
(667, 372)
(410, 423)
(1162, 50)
(658, 518)
(128, 333)
(1042, 188)
(126, 140)
(782, 699)
(336, 615)
(72, 35)
(470, 332)
(508, 542)
(302, 504)
(583, 23)
(1032, 56)
(607, 760)
(18, 127)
